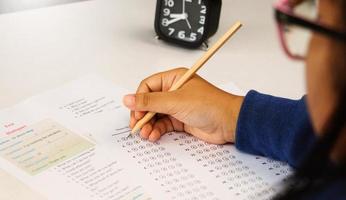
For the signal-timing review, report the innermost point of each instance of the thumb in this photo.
(159, 102)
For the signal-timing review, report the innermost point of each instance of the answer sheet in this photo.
(73, 143)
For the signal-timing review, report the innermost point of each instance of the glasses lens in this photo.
(297, 40)
(307, 9)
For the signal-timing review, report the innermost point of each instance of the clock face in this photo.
(183, 19)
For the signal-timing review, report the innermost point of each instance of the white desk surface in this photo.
(43, 48)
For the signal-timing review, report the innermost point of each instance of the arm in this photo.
(274, 127)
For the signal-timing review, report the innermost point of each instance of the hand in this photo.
(198, 108)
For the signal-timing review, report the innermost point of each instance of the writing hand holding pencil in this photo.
(186, 102)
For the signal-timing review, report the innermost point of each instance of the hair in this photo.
(317, 171)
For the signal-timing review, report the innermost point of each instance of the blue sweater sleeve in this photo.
(274, 127)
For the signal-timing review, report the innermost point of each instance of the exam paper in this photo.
(72, 143)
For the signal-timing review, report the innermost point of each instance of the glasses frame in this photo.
(284, 15)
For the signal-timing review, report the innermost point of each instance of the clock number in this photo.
(169, 3)
(201, 30)
(193, 36)
(202, 19)
(164, 22)
(166, 12)
(181, 34)
(204, 9)
(199, 2)
(171, 31)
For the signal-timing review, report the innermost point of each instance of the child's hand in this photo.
(198, 108)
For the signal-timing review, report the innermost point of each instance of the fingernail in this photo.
(129, 101)
(152, 138)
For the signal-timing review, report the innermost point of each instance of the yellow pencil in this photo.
(192, 70)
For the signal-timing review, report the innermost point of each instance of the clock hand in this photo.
(188, 23)
(176, 17)
(182, 16)
(174, 20)
(184, 1)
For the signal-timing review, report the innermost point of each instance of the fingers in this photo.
(153, 131)
(156, 83)
(139, 115)
(159, 102)
(150, 84)
(146, 100)
(146, 130)
(129, 101)
(161, 81)
(135, 117)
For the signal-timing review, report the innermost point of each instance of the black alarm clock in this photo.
(187, 22)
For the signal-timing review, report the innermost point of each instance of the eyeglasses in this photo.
(296, 23)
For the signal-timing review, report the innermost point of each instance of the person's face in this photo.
(322, 55)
